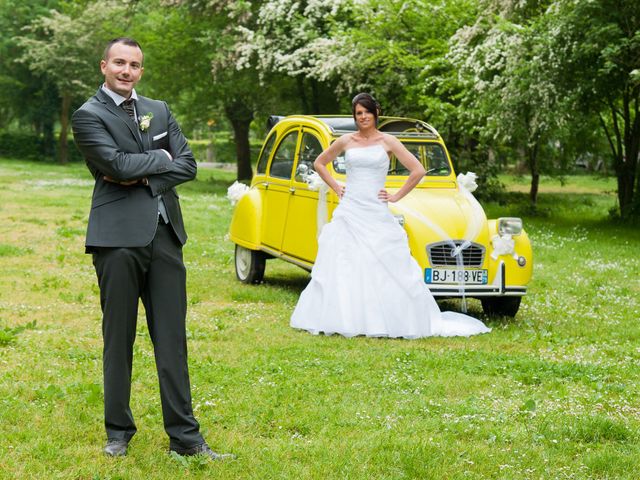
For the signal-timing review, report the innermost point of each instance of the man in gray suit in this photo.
(137, 155)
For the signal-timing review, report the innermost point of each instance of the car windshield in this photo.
(431, 156)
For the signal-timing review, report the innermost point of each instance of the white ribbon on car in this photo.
(466, 185)
(236, 191)
(315, 182)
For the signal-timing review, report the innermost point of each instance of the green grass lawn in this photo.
(551, 394)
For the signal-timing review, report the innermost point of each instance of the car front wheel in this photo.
(501, 306)
(249, 265)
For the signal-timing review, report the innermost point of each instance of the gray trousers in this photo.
(157, 275)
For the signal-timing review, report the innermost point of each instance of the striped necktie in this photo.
(128, 107)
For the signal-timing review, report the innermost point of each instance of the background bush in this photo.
(32, 146)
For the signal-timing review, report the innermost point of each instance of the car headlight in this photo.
(509, 226)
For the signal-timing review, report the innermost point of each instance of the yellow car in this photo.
(460, 252)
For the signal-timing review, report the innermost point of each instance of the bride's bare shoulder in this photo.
(389, 139)
(345, 141)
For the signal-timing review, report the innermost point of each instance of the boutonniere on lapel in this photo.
(144, 121)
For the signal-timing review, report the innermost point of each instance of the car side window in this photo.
(266, 153)
(437, 162)
(310, 148)
(282, 163)
(339, 164)
(396, 167)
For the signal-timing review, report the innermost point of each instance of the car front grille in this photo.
(440, 254)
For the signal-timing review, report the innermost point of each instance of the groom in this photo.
(137, 155)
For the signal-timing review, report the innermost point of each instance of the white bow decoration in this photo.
(458, 250)
(468, 181)
(503, 245)
(236, 191)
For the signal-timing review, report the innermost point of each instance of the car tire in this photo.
(501, 306)
(250, 265)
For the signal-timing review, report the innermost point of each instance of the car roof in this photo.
(341, 124)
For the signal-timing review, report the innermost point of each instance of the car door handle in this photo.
(292, 191)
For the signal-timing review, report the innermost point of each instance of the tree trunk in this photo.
(625, 193)
(532, 157)
(63, 145)
(315, 97)
(241, 115)
(48, 139)
(625, 147)
(302, 94)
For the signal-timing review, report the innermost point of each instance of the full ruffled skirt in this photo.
(365, 282)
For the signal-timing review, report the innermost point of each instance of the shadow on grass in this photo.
(275, 288)
(295, 284)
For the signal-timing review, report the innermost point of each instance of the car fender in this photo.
(245, 223)
(416, 232)
(515, 274)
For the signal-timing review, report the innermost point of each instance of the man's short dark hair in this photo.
(125, 41)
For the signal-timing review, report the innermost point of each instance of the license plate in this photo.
(453, 275)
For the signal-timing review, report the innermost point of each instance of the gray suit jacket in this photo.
(113, 145)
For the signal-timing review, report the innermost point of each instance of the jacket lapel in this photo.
(120, 113)
(143, 109)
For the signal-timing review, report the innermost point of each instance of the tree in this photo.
(510, 97)
(64, 48)
(400, 51)
(397, 49)
(301, 40)
(26, 99)
(597, 49)
(228, 88)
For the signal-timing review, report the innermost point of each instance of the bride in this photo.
(364, 280)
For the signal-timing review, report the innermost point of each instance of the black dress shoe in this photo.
(116, 448)
(203, 449)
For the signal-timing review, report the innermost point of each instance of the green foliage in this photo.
(538, 82)
(65, 46)
(221, 150)
(27, 100)
(483, 162)
(596, 45)
(509, 97)
(31, 146)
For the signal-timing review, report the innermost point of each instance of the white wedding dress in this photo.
(365, 281)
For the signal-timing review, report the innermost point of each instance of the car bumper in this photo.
(498, 287)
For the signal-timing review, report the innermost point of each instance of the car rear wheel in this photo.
(501, 306)
(249, 265)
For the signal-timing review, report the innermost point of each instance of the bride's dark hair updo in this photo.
(368, 102)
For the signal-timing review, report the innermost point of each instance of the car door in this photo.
(300, 237)
(277, 190)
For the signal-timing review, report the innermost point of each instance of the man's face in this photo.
(122, 69)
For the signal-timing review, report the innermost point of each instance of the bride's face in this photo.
(364, 118)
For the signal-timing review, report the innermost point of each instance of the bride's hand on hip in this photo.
(384, 195)
(340, 190)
